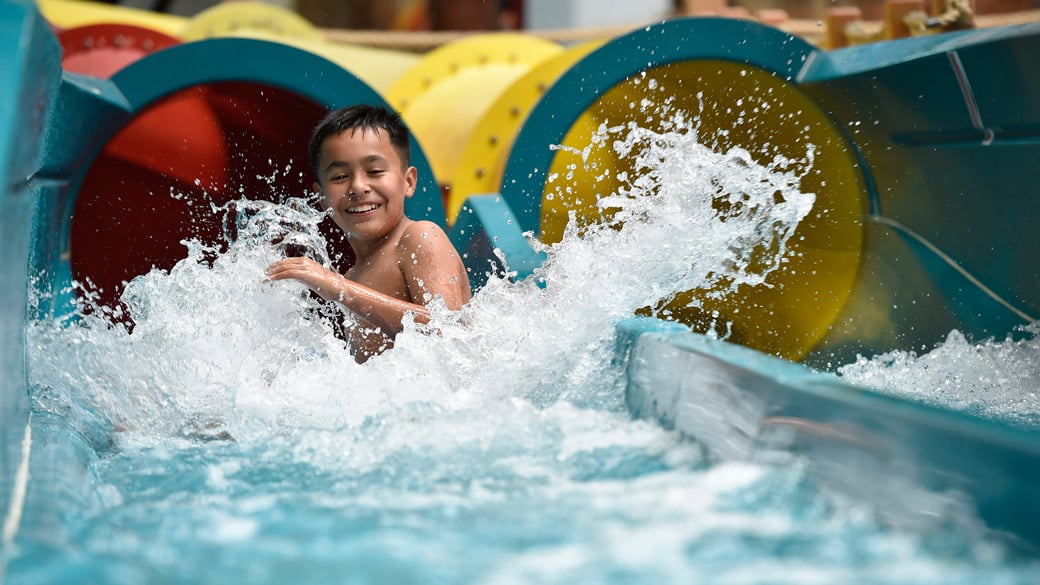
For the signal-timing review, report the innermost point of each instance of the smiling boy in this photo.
(361, 158)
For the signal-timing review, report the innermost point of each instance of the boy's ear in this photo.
(321, 196)
(411, 179)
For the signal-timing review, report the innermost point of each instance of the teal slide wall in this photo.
(917, 465)
(30, 68)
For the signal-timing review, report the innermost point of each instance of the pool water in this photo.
(230, 436)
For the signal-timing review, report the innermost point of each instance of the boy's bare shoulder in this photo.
(421, 231)
(425, 243)
(429, 257)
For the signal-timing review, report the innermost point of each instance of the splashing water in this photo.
(993, 379)
(492, 446)
(212, 340)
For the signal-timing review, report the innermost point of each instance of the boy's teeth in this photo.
(361, 209)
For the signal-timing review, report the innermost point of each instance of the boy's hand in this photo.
(321, 280)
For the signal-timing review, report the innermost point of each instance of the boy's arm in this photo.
(381, 310)
(431, 268)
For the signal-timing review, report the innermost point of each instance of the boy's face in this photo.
(364, 183)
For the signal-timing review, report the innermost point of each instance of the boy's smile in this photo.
(358, 209)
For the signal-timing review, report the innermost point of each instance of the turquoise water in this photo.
(231, 437)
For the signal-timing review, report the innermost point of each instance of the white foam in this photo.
(997, 379)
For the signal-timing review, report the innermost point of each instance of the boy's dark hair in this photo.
(365, 117)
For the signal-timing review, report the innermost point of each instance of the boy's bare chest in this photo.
(382, 273)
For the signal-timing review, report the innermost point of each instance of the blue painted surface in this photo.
(949, 138)
(87, 112)
(873, 56)
(29, 66)
(480, 216)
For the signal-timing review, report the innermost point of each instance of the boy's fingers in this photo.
(297, 268)
(285, 263)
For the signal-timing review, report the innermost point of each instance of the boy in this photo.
(361, 158)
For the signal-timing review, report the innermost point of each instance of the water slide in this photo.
(922, 165)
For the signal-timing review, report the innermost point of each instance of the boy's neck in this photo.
(364, 249)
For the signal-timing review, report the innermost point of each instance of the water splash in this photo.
(694, 218)
(216, 349)
(996, 379)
